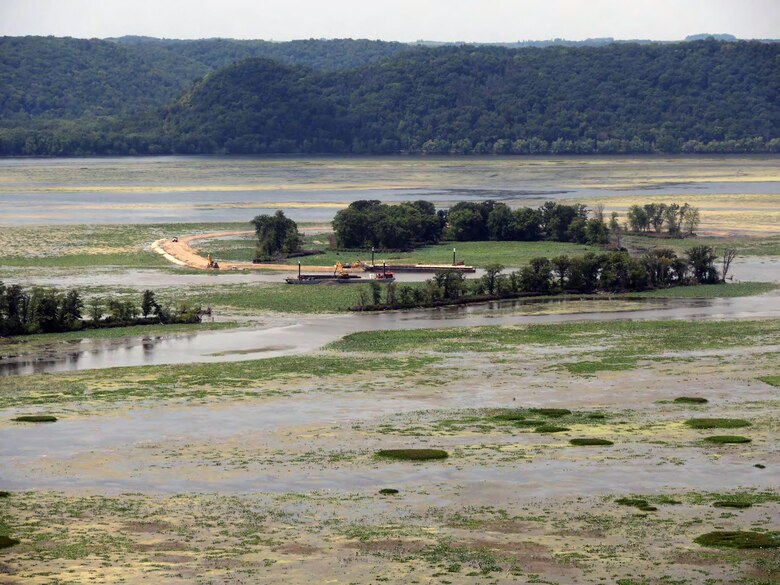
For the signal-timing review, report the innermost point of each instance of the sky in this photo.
(399, 20)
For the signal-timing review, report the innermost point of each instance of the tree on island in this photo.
(276, 235)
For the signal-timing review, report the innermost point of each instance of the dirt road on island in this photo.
(182, 253)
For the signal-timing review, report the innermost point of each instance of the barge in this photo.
(339, 276)
(378, 268)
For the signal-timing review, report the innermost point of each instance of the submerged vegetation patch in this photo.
(551, 412)
(412, 454)
(691, 400)
(638, 503)
(7, 541)
(551, 429)
(717, 423)
(728, 439)
(731, 504)
(586, 442)
(36, 418)
(738, 539)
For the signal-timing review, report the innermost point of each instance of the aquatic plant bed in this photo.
(738, 539)
(727, 439)
(593, 442)
(412, 454)
(36, 418)
(717, 423)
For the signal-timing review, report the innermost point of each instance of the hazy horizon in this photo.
(468, 21)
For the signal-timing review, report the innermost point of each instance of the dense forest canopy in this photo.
(357, 97)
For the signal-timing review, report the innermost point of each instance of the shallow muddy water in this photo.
(120, 453)
(289, 336)
(216, 189)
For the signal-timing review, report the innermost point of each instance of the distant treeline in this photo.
(695, 97)
(371, 224)
(589, 273)
(38, 310)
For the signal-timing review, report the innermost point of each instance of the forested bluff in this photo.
(131, 96)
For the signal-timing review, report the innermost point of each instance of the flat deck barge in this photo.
(418, 268)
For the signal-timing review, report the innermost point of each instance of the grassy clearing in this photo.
(477, 254)
(192, 381)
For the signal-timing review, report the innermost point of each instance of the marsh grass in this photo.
(727, 439)
(690, 400)
(588, 442)
(551, 429)
(620, 344)
(709, 291)
(193, 381)
(717, 423)
(36, 418)
(412, 454)
(282, 298)
(731, 504)
(552, 412)
(738, 540)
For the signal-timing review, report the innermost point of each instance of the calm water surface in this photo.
(211, 189)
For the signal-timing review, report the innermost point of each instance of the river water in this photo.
(216, 189)
(288, 336)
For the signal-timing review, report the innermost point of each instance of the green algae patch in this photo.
(717, 423)
(728, 439)
(510, 416)
(36, 418)
(590, 442)
(737, 539)
(7, 541)
(388, 491)
(639, 503)
(552, 412)
(412, 454)
(551, 429)
(522, 424)
(690, 400)
(731, 504)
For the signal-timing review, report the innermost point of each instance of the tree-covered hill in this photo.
(327, 55)
(69, 78)
(703, 96)
(65, 78)
(492, 100)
